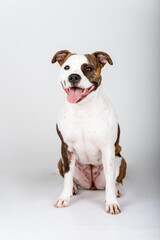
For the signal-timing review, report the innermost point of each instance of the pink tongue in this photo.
(74, 95)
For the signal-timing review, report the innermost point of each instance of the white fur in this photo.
(89, 128)
(75, 62)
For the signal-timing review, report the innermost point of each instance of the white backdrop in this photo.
(30, 97)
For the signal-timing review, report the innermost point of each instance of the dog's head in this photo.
(80, 74)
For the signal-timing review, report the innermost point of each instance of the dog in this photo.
(89, 131)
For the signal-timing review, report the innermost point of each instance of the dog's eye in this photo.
(67, 67)
(89, 69)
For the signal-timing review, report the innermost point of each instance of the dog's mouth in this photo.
(76, 94)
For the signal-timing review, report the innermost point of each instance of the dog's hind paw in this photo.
(75, 189)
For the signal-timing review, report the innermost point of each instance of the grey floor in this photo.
(27, 212)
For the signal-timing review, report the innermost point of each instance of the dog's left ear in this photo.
(103, 58)
(60, 56)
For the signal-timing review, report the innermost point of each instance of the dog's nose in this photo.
(74, 78)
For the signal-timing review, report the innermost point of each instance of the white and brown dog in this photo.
(89, 131)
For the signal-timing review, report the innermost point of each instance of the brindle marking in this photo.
(96, 61)
(123, 166)
(122, 171)
(94, 76)
(63, 163)
(61, 167)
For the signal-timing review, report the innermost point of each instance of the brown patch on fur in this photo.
(61, 56)
(118, 194)
(117, 146)
(93, 76)
(61, 167)
(123, 166)
(122, 172)
(66, 155)
(75, 189)
(96, 61)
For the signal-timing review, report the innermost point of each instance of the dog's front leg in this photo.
(64, 198)
(108, 158)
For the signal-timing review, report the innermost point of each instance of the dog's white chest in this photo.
(85, 130)
(84, 143)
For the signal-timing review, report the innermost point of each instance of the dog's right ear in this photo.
(61, 57)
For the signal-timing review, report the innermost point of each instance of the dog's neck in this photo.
(87, 105)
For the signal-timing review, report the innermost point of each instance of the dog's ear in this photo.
(103, 58)
(60, 57)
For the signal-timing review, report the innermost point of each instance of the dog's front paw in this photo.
(112, 208)
(61, 202)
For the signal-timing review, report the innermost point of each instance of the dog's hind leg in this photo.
(120, 174)
(120, 166)
(75, 188)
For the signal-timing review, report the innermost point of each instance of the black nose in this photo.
(74, 78)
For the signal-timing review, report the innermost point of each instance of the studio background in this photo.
(31, 96)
